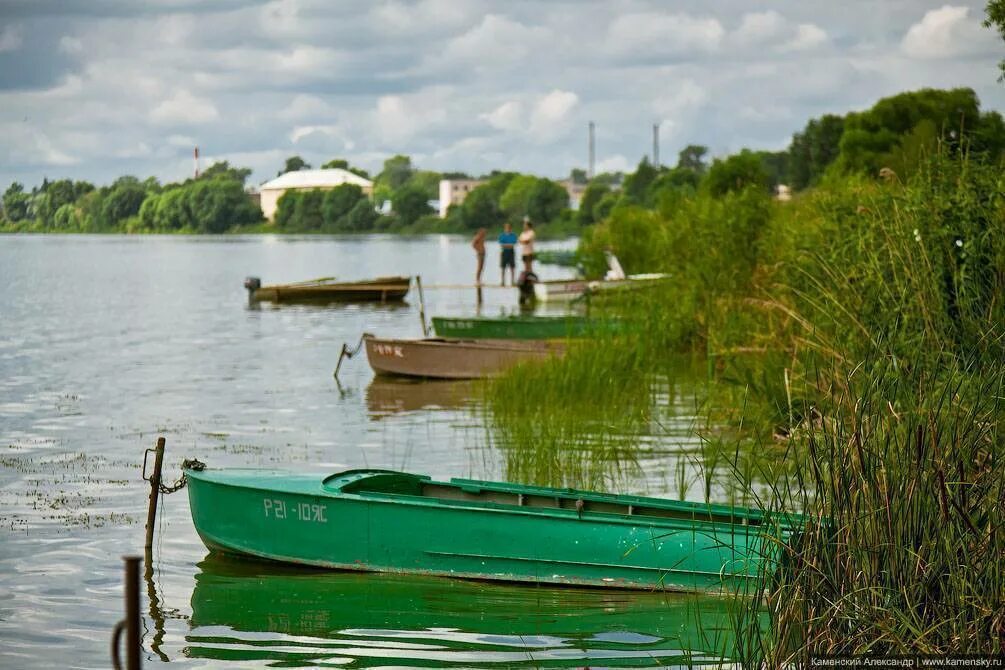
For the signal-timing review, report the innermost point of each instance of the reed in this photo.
(854, 370)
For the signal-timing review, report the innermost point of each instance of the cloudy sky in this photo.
(93, 89)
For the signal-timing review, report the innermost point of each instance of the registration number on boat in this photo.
(278, 509)
(389, 350)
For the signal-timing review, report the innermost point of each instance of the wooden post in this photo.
(131, 624)
(155, 489)
(422, 306)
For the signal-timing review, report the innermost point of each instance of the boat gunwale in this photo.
(786, 523)
(380, 283)
(529, 346)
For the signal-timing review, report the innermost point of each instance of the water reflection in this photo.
(243, 611)
(390, 395)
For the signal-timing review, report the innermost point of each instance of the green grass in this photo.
(852, 345)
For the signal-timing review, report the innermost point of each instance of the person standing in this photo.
(478, 244)
(527, 245)
(507, 242)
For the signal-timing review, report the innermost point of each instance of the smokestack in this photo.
(195, 154)
(656, 145)
(593, 156)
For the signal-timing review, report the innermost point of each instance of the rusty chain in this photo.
(183, 480)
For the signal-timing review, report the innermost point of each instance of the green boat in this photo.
(521, 327)
(251, 612)
(385, 521)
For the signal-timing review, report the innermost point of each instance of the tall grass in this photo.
(903, 485)
(861, 327)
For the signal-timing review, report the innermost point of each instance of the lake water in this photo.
(107, 342)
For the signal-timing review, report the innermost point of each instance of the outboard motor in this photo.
(252, 284)
(525, 283)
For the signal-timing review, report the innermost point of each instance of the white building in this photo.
(305, 180)
(453, 192)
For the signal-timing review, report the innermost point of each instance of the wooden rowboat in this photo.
(520, 327)
(384, 521)
(440, 358)
(382, 289)
(566, 290)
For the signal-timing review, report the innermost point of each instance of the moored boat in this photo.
(520, 327)
(441, 358)
(566, 290)
(384, 521)
(326, 289)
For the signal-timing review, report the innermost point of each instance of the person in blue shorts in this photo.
(507, 241)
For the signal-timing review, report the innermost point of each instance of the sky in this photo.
(95, 89)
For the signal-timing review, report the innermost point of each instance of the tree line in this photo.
(894, 135)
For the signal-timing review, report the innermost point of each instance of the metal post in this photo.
(155, 489)
(592, 156)
(131, 624)
(422, 306)
(656, 145)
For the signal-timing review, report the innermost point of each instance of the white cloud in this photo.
(507, 116)
(335, 131)
(399, 118)
(944, 33)
(10, 39)
(808, 36)
(304, 106)
(659, 34)
(759, 28)
(183, 108)
(550, 115)
(679, 98)
(424, 16)
(773, 31)
(496, 41)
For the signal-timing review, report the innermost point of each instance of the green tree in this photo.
(813, 150)
(294, 164)
(547, 200)
(996, 19)
(361, 217)
(692, 157)
(343, 164)
(286, 206)
(337, 204)
(481, 209)
(15, 203)
(223, 170)
(308, 217)
(871, 136)
(397, 170)
(409, 203)
(514, 201)
(737, 173)
(122, 200)
(578, 176)
(593, 194)
(426, 180)
(637, 184)
(67, 218)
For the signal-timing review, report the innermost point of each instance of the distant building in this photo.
(783, 193)
(453, 192)
(305, 180)
(575, 190)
